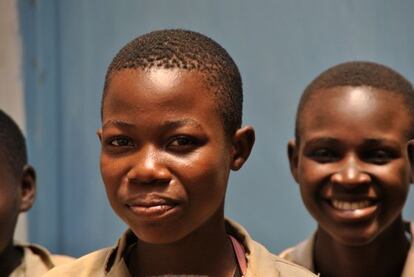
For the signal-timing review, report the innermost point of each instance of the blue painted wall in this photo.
(279, 46)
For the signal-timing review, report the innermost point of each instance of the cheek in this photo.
(111, 172)
(204, 174)
(396, 184)
(394, 179)
(8, 213)
(312, 180)
(9, 210)
(311, 175)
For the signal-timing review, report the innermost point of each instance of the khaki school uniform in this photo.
(110, 262)
(302, 254)
(37, 261)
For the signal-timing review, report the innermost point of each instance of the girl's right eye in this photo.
(120, 142)
(323, 155)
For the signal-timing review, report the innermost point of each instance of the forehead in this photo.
(170, 85)
(159, 93)
(361, 110)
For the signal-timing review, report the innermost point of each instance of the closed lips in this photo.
(152, 204)
(154, 208)
(151, 201)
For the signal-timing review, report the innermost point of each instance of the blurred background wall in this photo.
(279, 46)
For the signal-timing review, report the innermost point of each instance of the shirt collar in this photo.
(115, 264)
(259, 261)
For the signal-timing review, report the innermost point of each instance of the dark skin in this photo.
(11, 258)
(354, 175)
(165, 162)
(368, 260)
(17, 195)
(212, 257)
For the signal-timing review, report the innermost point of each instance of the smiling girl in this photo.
(349, 158)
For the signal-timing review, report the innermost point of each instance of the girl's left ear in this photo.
(243, 141)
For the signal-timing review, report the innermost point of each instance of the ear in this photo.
(410, 151)
(292, 150)
(27, 188)
(242, 141)
(99, 133)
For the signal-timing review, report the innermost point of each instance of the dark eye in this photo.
(379, 156)
(182, 143)
(323, 155)
(120, 142)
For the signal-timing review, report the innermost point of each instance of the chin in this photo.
(354, 238)
(154, 235)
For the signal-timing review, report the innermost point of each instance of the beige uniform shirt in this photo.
(302, 254)
(109, 262)
(37, 261)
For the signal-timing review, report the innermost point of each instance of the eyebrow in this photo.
(117, 123)
(167, 124)
(323, 140)
(180, 123)
(378, 142)
(370, 141)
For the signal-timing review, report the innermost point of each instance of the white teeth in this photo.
(345, 205)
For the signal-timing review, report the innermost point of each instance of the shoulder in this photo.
(58, 260)
(273, 265)
(287, 268)
(47, 257)
(301, 254)
(92, 264)
(290, 253)
(287, 253)
(37, 260)
(260, 262)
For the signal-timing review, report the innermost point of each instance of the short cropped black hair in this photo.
(356, 74)
(190, 51)
(12, 145)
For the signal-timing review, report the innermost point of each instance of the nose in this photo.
(148, 167)
(351, 173)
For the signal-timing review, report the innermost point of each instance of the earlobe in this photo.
(243, 141)
(293, 158)
(27, 188)
(99, 133)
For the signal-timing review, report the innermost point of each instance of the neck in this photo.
(206, 251)
(385, 256)
(10, 258)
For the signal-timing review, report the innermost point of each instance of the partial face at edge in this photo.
(17, 194)
(9, 204)
(351, 164)
(165, 158)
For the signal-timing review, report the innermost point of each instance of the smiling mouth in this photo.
(351, 205)
(352, 211)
